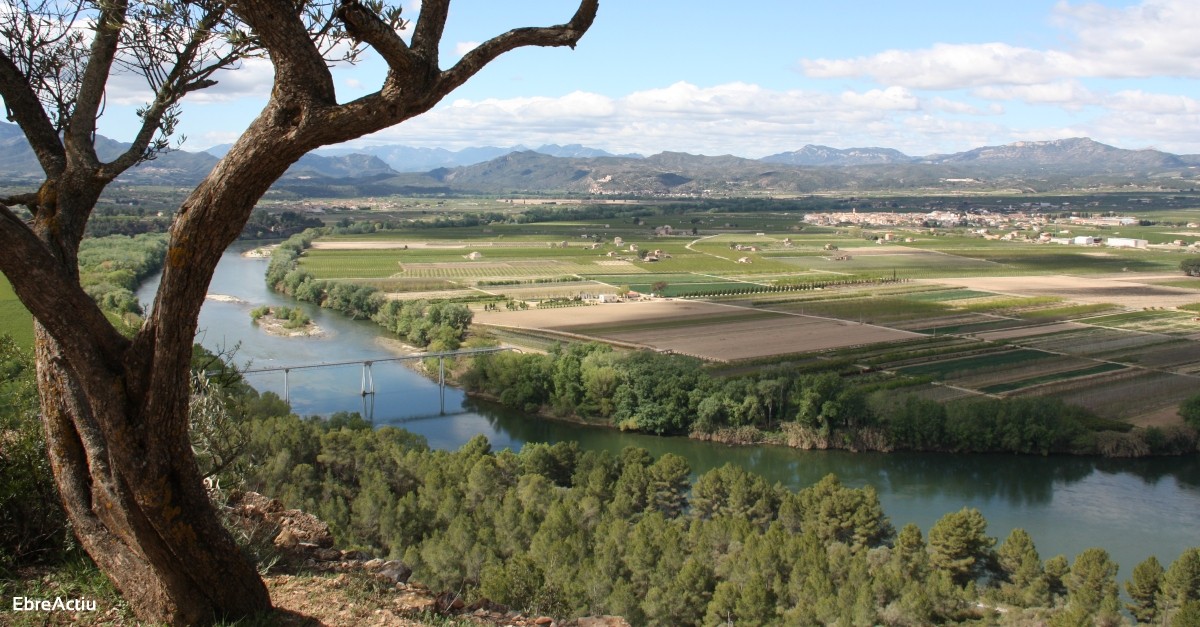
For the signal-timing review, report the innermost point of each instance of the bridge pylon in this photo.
(368, 379)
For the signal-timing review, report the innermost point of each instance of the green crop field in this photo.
(1152, 321)
(1022, 259)
(1064, 312)
(1051, 377)
(904, 262)
(351, 264)
(14, 318)
(943, 368)
(945, 295)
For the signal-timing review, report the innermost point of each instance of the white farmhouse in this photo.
(1127, 242)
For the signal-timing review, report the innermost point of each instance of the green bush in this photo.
(33, 525)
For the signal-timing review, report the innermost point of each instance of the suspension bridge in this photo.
(367, 386)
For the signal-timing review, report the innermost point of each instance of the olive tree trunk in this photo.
(115, 409)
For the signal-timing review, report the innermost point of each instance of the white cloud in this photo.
(463, 47)
(735, 118)
(946, 66)
(1155, 38)
(1153, 104)
(752, 121)
(957, 107)
(1067, 94)
(892, 98)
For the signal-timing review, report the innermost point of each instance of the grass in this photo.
(15, 320)
(945, 295)
(1154, 321)
(1010, 304)
(75, 578)
(1065, 312)
(1190, 283)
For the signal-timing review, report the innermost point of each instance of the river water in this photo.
(1132, 508)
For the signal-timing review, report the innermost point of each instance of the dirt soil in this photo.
(1131, 292)
(722, 341)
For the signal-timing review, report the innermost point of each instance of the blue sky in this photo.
(760, 77)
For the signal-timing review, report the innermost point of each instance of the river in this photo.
(1132, 508)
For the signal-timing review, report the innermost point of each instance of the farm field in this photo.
(710, 331)
(1126, 292)
(14, 318)
(971, 315)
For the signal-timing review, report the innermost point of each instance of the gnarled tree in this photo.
(114, 408)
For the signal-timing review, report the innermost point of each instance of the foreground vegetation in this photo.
(553, 530)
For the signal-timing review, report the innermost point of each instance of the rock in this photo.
(449, 602)
(396, 572)
(543, 620)
(296, 534)
(487, 606)
(327, 555)
(286, 539)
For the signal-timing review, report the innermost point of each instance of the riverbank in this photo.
(1136, 443)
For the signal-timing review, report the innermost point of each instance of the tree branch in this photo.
(26, 110)
(178, 82)
(398, 101)
(567, 34)
(430, 26)
(364, 25)
(81, 128)
(29, 200)
(53, 295)
(301, 75)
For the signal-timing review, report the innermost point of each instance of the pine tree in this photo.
(1144, 588)
(1182, 580)
(1092, 584)
(1021, 567)
(959, 546)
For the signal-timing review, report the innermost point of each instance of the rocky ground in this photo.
(321, 585)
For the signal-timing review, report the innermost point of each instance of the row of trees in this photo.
(111, 268)
(265, 225)
(668, 394)
(437, 325)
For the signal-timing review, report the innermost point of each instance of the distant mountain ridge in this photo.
(381, 170)
(824, 155)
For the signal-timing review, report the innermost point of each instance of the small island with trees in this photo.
(284, 321)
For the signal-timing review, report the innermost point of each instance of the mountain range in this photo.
(383, 170)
